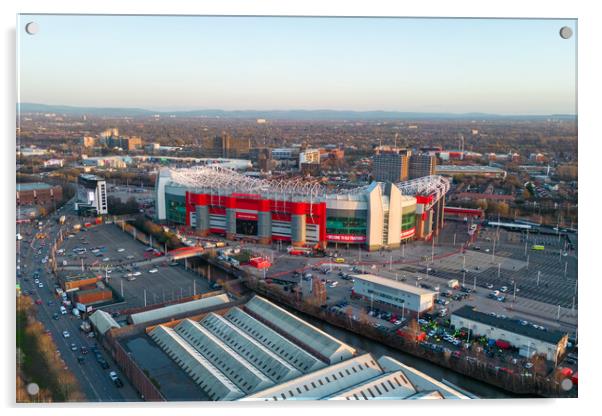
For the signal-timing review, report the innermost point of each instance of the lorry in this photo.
(453, 284)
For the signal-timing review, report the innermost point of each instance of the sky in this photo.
(500, 66)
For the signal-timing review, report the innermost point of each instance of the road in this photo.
(94, 381)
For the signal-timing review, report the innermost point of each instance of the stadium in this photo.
(216, 200)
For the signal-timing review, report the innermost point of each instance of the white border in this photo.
(589, 140)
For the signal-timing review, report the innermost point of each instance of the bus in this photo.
(538, 247)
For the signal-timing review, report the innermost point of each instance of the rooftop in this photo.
(33, 186)
(393, 284)
(469, 312)
(467, 168)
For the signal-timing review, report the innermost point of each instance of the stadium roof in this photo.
(469, 312)
(296, 328)
(217, 179)
(178, 308)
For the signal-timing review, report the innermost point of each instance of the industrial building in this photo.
(37, 193)
(260, 352)
(394, 293)
(470, 170)
(528, 339)
(177, 309)
(214, 200)
(91, 195)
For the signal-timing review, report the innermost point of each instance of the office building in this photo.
(226, 146)
(91, 195)
(391, 292)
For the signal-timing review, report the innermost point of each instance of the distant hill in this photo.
(279, 114)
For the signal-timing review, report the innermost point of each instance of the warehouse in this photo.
(528, 339)
(177, 309)
(237, 356)
(400, 295)
(214, 200)
(314, 340)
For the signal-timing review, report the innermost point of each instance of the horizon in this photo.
(243, 110)
(183, 63)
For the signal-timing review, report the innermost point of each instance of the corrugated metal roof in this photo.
(178, 308)
(421, 381)
(272, 365)
(292, 353)
(103, 321)
(206, 375)
(324, 382)
(300, 330)
(390, 386)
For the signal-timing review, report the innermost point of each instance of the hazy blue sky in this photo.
(430, 65)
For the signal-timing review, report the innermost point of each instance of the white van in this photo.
(63, 310)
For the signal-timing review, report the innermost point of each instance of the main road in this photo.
(93, 380)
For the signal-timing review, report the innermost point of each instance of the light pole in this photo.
(493, 252)
(538, 276)
(566, 266)
(499, 269)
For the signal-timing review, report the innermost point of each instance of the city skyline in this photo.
(290, 63)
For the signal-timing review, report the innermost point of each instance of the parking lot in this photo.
(139, 285)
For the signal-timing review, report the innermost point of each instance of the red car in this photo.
(38, 301)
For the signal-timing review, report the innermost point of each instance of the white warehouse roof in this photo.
(178, 308)
(268, 362)
(206, 375)
(103, 321)
(292, 353)
(246, 376)
(324, 382)
(391, 386)
(296, 328)
(421, 381)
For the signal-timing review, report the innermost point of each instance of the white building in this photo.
(91, 195)
(528, 339)
(398, 294)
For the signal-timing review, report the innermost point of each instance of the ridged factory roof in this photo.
(390, 386)
(299, 330)
(242, 373)
(421, 381)
(206, 375)
(178, 308)
(292, 353)
(322, 383)
(276, 368)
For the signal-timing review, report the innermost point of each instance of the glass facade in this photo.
(175, 208)
(349, 226)
(408, 221)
